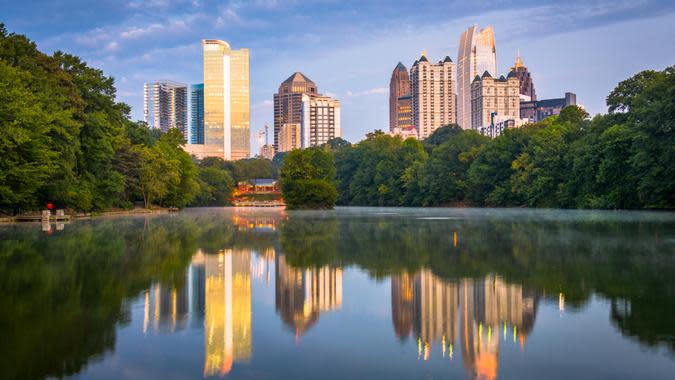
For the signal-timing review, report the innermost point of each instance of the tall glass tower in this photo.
(165, 105)
(197, 114)
(226, 101)
(477, 54)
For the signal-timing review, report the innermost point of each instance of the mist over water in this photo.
(350, 293)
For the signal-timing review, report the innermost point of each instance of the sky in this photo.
(349, 48)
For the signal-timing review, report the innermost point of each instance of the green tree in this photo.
(27, 160)
(308, 179)
(443, 178)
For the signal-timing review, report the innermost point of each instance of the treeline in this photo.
(621, 160)
(66, 140)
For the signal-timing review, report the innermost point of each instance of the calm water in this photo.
(361, 293)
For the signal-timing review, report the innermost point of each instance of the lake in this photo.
(355, 293)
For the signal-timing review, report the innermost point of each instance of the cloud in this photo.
(231, 16)
(372, 91)
(264, 105)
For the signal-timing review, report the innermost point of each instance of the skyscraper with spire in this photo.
(525, 78)
(399, 99)
(477, 54)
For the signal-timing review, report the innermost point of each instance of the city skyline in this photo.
(161, 40)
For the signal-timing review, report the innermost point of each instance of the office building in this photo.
(399, 97)
(320, 120)
(538, 110)
(433, 95)
(197, 114)
(288, 102)
(477, 54)
(165, 106)
(492, 98)
(527, 92)
(226, 102)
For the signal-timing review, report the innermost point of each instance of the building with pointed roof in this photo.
(433, 95)
(288, 102)
(494, 101)
(526, 84)
(399, 99)
(302, 115)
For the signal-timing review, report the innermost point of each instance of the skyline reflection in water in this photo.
(247, 293)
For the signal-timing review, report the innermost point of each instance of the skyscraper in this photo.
(165, 106)
(399, 86)
(197, 114)
(298, 103)
(477, 54)
(288, 102)
(525, 78)
(226, 101)
(320, 120)
(433, 95)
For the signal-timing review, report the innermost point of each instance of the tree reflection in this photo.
(465, 284)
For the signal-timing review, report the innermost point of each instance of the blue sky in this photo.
(349, 48)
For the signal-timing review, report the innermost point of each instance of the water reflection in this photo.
(465, 290)
(302, 295)
(467, 314)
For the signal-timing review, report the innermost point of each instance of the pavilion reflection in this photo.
(303, 294)
(471, 314)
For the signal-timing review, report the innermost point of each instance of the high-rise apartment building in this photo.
(197, 114)
(320, 120)
(433, 95)
(525, 78)
(289, 137)
(298, 107)
(399, 93)
(226, 101)
(165, 106)
(477, 54)
(288, 102)
(494, 100)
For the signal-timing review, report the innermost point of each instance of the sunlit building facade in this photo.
(226, 101)
(288, 103)
(289, 137)
(477, 54)
(165, 106)
(494, 100)
(320, 120)
(433, 95)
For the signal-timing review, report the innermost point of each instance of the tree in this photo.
(308, 179)
(27, 160)
(443, 179)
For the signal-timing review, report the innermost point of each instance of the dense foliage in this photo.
(308, 179)
(66, 140)
(620, 160)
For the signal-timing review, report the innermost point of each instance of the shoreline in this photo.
(90, 215)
